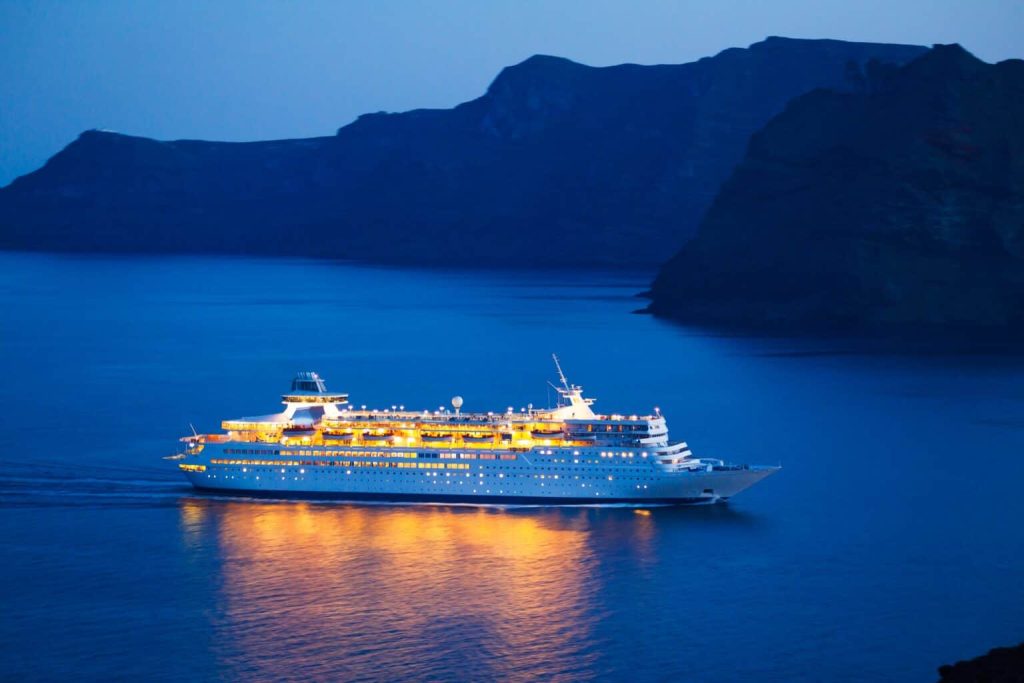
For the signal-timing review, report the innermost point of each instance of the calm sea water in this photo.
(890, 543)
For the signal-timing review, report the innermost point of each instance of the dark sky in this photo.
(243, 70)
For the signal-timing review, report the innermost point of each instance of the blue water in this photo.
(890, 543)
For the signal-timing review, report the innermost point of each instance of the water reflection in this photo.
(347, 591)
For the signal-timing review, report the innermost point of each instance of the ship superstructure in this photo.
(322, 446)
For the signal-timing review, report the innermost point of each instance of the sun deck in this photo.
(313, 416)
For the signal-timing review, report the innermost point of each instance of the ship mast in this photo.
(561, 375)
(571, 403)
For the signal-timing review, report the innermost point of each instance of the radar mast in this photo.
(561, 375)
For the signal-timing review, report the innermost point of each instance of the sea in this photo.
(891, 541)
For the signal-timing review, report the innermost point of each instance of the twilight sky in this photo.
(248, 70)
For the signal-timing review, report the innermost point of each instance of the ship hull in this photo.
(429, 499)
(697, 488)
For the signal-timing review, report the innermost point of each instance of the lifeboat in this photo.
(436, 438)
(477, 438)
(377, 437)
(298, 433)
(547, 433)
(337, 439)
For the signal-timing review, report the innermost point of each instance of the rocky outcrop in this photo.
(902, 205)
(999, 665)
(558, 163)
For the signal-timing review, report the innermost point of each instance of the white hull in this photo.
(531, 478)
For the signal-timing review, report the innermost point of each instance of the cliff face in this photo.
(556, 163)
(901, 205)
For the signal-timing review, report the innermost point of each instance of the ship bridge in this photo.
(306, 404)
(310, 388)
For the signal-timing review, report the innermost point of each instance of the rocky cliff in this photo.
(899, 205)
(558, 163)
(999, 665)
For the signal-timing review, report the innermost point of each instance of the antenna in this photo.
(561, 375)
(194, 432)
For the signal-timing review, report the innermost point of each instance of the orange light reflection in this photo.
(340, 591)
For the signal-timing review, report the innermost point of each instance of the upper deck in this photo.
(312, 416)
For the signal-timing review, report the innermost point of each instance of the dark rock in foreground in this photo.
(1001, 665)
(558, 163)
(899, 206)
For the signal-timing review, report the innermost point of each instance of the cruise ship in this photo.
(322, 446)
